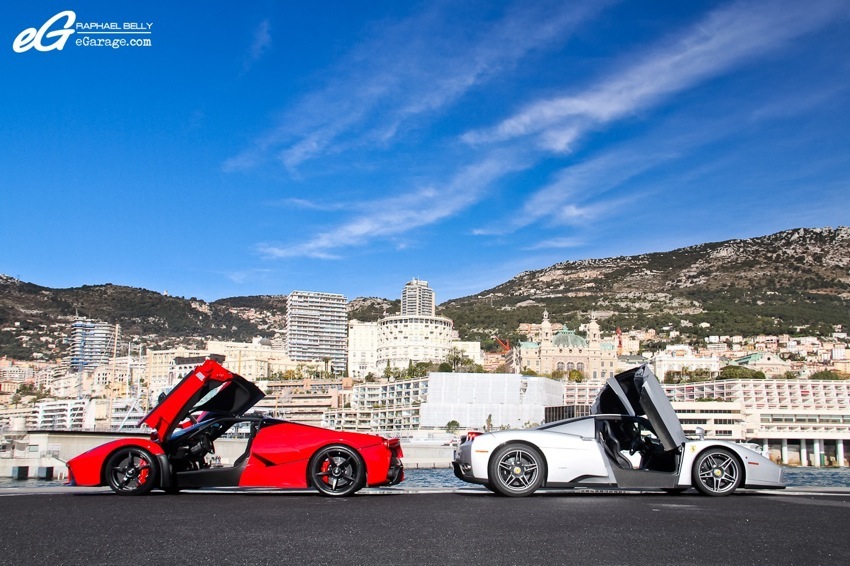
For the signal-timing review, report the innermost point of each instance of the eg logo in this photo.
(32, 37)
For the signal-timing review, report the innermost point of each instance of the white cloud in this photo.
(394, 216)
(556, 243)
(408, 70)
(722, 41)
(262, 42)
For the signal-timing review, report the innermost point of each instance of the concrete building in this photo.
(418, 299)
(388, 407)
(159, 367)
(409, 338)
(92, 343)
(316, 325)
(481, 400)
(565, 351)
(678, 358)
(415, 335)
(362, 349)
(304, 400)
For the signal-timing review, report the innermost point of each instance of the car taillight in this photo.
(470, 435)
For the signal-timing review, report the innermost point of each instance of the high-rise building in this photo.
(92, 343)
(316, 325)
(417, 299)
(416, 334)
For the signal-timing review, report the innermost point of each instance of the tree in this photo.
(452, 426)
(828, 374)
(455, 358)
(575, 376)
(740, 372)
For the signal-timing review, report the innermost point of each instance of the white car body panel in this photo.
(579, 452)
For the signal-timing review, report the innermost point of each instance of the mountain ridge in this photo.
(779, 282)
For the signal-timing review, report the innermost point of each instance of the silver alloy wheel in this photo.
(717, 472)
(516, 470)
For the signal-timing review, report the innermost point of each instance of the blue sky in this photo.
(347, 147)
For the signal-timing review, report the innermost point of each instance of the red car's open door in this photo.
(209, 387)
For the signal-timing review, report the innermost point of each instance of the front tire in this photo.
(131, 471)
(516, 470)
(717, 472)
(337, 471)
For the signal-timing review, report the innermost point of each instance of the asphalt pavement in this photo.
(461, 527)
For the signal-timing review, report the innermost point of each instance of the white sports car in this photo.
(631, 440)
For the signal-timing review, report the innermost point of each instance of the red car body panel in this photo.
(87, 468)
(278, 453)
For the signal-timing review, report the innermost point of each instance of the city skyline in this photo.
(350, 147)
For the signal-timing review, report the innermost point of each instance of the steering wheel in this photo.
(636, 445)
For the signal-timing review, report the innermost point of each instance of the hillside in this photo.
(797, 280)
(776, 283)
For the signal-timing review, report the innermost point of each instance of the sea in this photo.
(444, 478)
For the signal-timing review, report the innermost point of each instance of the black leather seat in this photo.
(612, 446)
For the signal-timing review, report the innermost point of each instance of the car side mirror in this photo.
(700, 433)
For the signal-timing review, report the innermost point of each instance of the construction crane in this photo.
(506, 345)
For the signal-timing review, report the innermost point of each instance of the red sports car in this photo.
(207, 403)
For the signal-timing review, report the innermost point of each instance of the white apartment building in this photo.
(389, 407)
(417, 338)
(159, 367)
(316, 325)
(362, 349)
(476, 400)
(64, 414)
(414, 335)
(675, 358)
(417, 298)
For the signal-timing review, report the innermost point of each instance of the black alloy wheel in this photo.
(337, 471)
(131, 471)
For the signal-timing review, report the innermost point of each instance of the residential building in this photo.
(415, 335)
(418, 299)
(92, 343)
(362, 349)
(388, 407)
(316, 325)
(680, 358)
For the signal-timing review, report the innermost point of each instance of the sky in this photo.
(348, 147)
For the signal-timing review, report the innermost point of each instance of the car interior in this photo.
(621, 435)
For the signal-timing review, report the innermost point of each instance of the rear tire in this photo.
(516, 470)
(337, 471)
